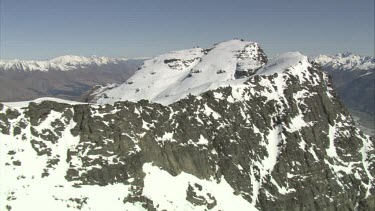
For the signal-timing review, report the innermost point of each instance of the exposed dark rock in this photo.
(199, 200)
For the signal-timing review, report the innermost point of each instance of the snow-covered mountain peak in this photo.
(168, 77)
(253, 141)
(347, 61)
(62, 63)
(69, 59)
(172, 76)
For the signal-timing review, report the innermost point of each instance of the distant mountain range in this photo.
(62, 63)
(347, 61)
(65, 77)
(354, 79)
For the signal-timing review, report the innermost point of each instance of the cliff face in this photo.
(280, 141)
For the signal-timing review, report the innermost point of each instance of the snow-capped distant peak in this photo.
(70, 59)
(347, 61)
(62, 63)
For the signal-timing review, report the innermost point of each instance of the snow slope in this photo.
(62, 63)
(172, 76)
(194, 72)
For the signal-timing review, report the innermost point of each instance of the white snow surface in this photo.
(286, 61)
(347, 61)
(169, 192)
(194, 72)
(62, 63)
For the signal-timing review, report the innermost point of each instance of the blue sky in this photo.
(43, 29)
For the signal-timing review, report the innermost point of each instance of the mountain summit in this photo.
(171, 76)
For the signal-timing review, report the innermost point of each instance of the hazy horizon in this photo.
(41, 30)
